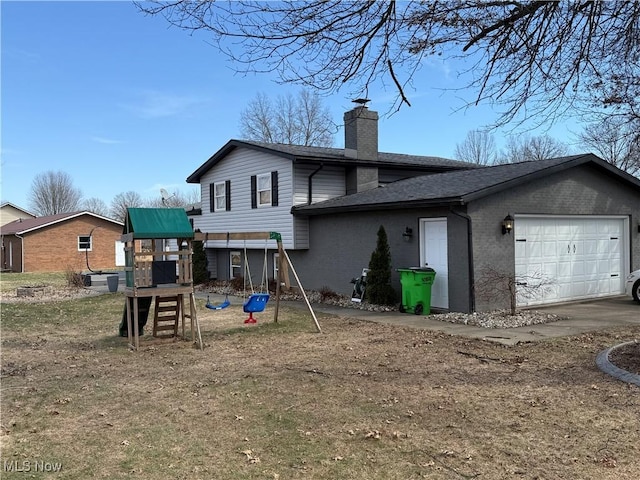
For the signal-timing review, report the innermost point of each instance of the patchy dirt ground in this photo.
(627, 357)
(48, 294)
(361, 400)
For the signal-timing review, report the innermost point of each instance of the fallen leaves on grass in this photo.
(250, 457)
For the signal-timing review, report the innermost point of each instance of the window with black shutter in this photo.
(274, 189)
(212, 197)
(264, 190)
(254, 191)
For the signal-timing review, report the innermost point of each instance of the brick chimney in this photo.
(361, 143)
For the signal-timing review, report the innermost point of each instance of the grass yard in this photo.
(279, 401)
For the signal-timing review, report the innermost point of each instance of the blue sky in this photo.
(121, 101)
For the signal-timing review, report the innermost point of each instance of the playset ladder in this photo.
(166, 316)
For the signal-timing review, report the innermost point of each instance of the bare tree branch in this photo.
(525, 148)
(299, 120)
(53, 193)
(122, 201)
(539, 60)
(615, 141)
(479, 147)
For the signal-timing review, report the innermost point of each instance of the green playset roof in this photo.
(157, 223)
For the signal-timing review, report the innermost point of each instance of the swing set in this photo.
(257, 301)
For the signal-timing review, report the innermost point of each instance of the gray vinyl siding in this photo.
(301, 233)
(238, 167)
(329, 182)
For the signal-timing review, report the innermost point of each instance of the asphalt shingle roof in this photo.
(300, 153)
(28, 224)
(455, 187)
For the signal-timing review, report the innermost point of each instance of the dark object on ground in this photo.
(144, 305)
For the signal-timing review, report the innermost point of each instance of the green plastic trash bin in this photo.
(416, 289)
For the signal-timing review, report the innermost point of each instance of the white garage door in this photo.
(568, 258)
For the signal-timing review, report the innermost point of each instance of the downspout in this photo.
(21, 253)
(471, 273)
(310, 190)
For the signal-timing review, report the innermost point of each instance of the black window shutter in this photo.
(212, 197)
(227, 193)
(254, 191)
(274, 189)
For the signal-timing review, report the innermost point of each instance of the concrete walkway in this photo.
(581, 317)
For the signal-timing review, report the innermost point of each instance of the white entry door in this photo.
(579, 257)
(120, 261)
(433, 253)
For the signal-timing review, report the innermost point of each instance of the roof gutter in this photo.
(302, 211)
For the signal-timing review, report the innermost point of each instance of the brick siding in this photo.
(55, 248)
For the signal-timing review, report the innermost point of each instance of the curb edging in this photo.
(603, 363)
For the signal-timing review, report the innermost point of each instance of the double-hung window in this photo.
(264, 189)
(220, 195)
(235, 264)
(84, 243)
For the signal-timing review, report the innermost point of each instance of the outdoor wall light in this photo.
(507, 225)
(407, 234)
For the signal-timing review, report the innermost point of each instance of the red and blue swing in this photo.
(256, 302)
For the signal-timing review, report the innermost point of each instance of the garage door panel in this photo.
(549, 249)
(578, 289)
(577, 269)
(580, 257)
(590, 247)
(550, 270)
(593, 287)
(564, 269)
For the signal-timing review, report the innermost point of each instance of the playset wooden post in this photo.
(158, 255)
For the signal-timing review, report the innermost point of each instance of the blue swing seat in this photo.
(256, 302)
(212, 306)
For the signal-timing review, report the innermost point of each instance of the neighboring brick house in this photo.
(10, 212)
(59, 242)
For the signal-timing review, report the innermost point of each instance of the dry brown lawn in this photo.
(279, 401)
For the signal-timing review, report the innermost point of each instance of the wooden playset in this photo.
(158, 259)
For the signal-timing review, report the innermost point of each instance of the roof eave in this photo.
(228, 148)
(539, 174)
(305, 211)
(64, 219)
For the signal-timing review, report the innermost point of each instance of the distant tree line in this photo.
(53, 192)
(610, 138)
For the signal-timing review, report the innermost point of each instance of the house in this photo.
(573, 221)
(10, 212)
(78, 240)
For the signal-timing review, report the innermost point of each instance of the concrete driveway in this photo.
(581, 317)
